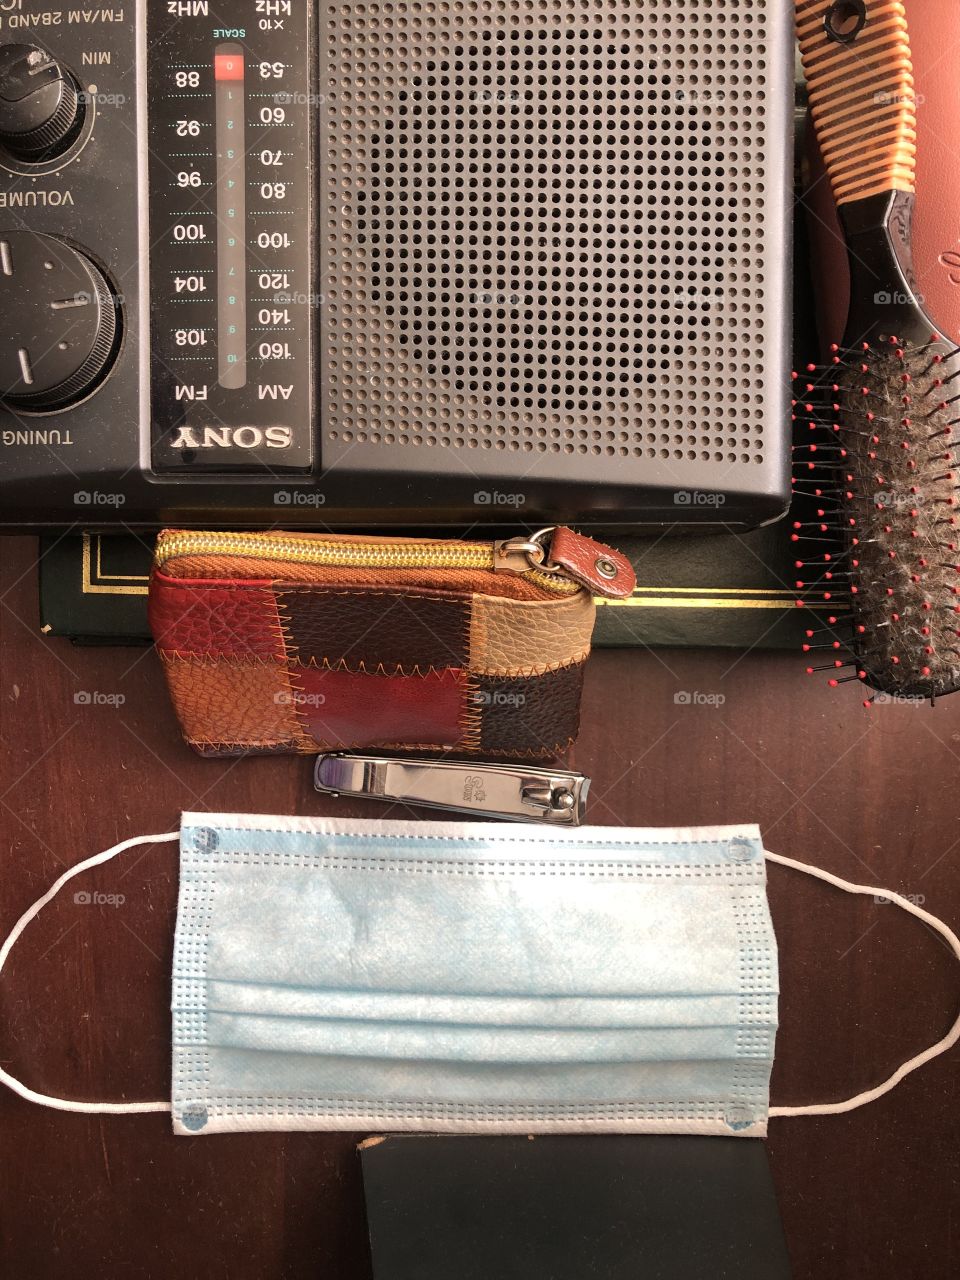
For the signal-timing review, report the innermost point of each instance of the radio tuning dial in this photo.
(41, 107)
(59, 322)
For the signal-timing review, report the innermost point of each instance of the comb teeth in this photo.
(877, 473)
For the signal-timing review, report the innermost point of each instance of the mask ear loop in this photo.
(934, 1051)
(66, 1104)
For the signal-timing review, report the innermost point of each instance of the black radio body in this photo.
(359, 263)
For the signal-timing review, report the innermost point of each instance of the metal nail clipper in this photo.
(519, 793)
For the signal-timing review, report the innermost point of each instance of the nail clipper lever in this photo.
(516, 792)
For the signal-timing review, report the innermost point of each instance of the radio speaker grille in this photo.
(545, 230)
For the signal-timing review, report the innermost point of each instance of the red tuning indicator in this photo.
(228, 66)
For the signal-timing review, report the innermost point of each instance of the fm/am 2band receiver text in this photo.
(369, 263)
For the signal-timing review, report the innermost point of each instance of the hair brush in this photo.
(879, 456)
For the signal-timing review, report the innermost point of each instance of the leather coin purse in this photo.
(275, 642)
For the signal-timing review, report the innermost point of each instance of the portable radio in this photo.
(360, 263)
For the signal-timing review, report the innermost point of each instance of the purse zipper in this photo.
(521, 555)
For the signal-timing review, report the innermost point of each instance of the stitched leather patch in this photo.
(529, 715)
(515, 637)
(214, 619)
(233, 704)
(405, 631)
(360, 709)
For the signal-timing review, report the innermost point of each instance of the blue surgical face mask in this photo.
(430, 976)
(471, 977)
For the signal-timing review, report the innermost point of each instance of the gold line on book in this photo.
(115, 577)
(706, 602)
(90, 587)
(714, 591)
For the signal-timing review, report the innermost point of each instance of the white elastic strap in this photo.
(934, 1051)
(66, 1104)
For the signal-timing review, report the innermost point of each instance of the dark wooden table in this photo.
(869, 795)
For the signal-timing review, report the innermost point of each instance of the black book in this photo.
(621, 1207)
(732, 590)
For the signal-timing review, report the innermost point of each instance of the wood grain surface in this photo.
(871, 795)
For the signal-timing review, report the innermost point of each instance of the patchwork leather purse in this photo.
(275, 642)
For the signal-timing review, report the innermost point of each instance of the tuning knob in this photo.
(41, 108)
(59, 322)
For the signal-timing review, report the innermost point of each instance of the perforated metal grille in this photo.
(543, 227)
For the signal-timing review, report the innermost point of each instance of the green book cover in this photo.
(729, 590)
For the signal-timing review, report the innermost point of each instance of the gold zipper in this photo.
(371, 555)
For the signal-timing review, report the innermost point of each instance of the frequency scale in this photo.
(231, 273)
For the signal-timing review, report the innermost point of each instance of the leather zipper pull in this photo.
(557, 549)
(593, 564)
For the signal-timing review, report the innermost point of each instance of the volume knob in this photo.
(59, 322)
(41, 109)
